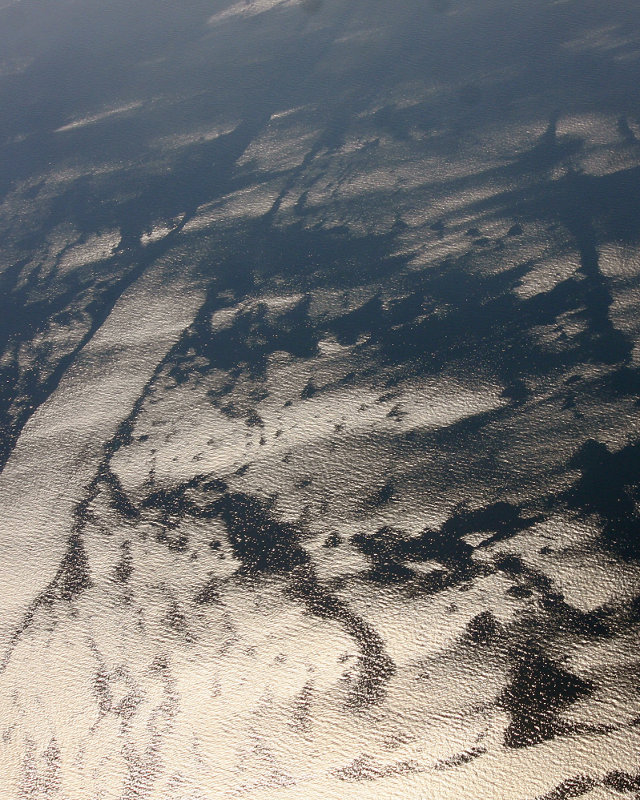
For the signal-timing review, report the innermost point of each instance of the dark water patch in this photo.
(118, 498)
(382, 496)
(622, 782)
(391, 549)
(254, 420)
(302, 711)
(124, 568)
(253, 336)
(73, 576)
(231, 410)
(102, 690)
(403, 122)
(566, 618)
(399, 311)
(176, 541)
(333, 540)
(376, 668)
(310, 390)
(539, 690)
(482, 241)
(484, 629)
(469, 312)
(41, 774)
(511, 564)
(456, 435)
(519, 592)
(626, 132)
(176, 620)
(383, 548)
(516, 391)
(261, 543)
(573, 787)
(503, 518)
(549, 150)
(439, 580)
(209, 594)
(443, 545)
(605, 206)
(315, 257)
(174, 503)
(608, 488)
(626, 380)
(460, 759)
(559, 616)
(365, 319)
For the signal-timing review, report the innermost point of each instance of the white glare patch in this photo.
(547, 274)
(111, 112)
(96, 248)
(249, 9)
(607, 39)
(247, 203)
(282, 147)
(223, 319)
(287, 112)
(197, 136)
(156, 233)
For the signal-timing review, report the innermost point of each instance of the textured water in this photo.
(319, 400)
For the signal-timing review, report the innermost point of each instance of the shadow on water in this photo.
(485, 316)
(265, 546)
(538, 691)
(391, 550)
(305, 259)
(450, 314)
(608, 488)
(203, 173)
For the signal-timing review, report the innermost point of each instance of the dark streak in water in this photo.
(73, 576)
(574, 787)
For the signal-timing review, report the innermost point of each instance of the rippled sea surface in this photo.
(319, 399)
